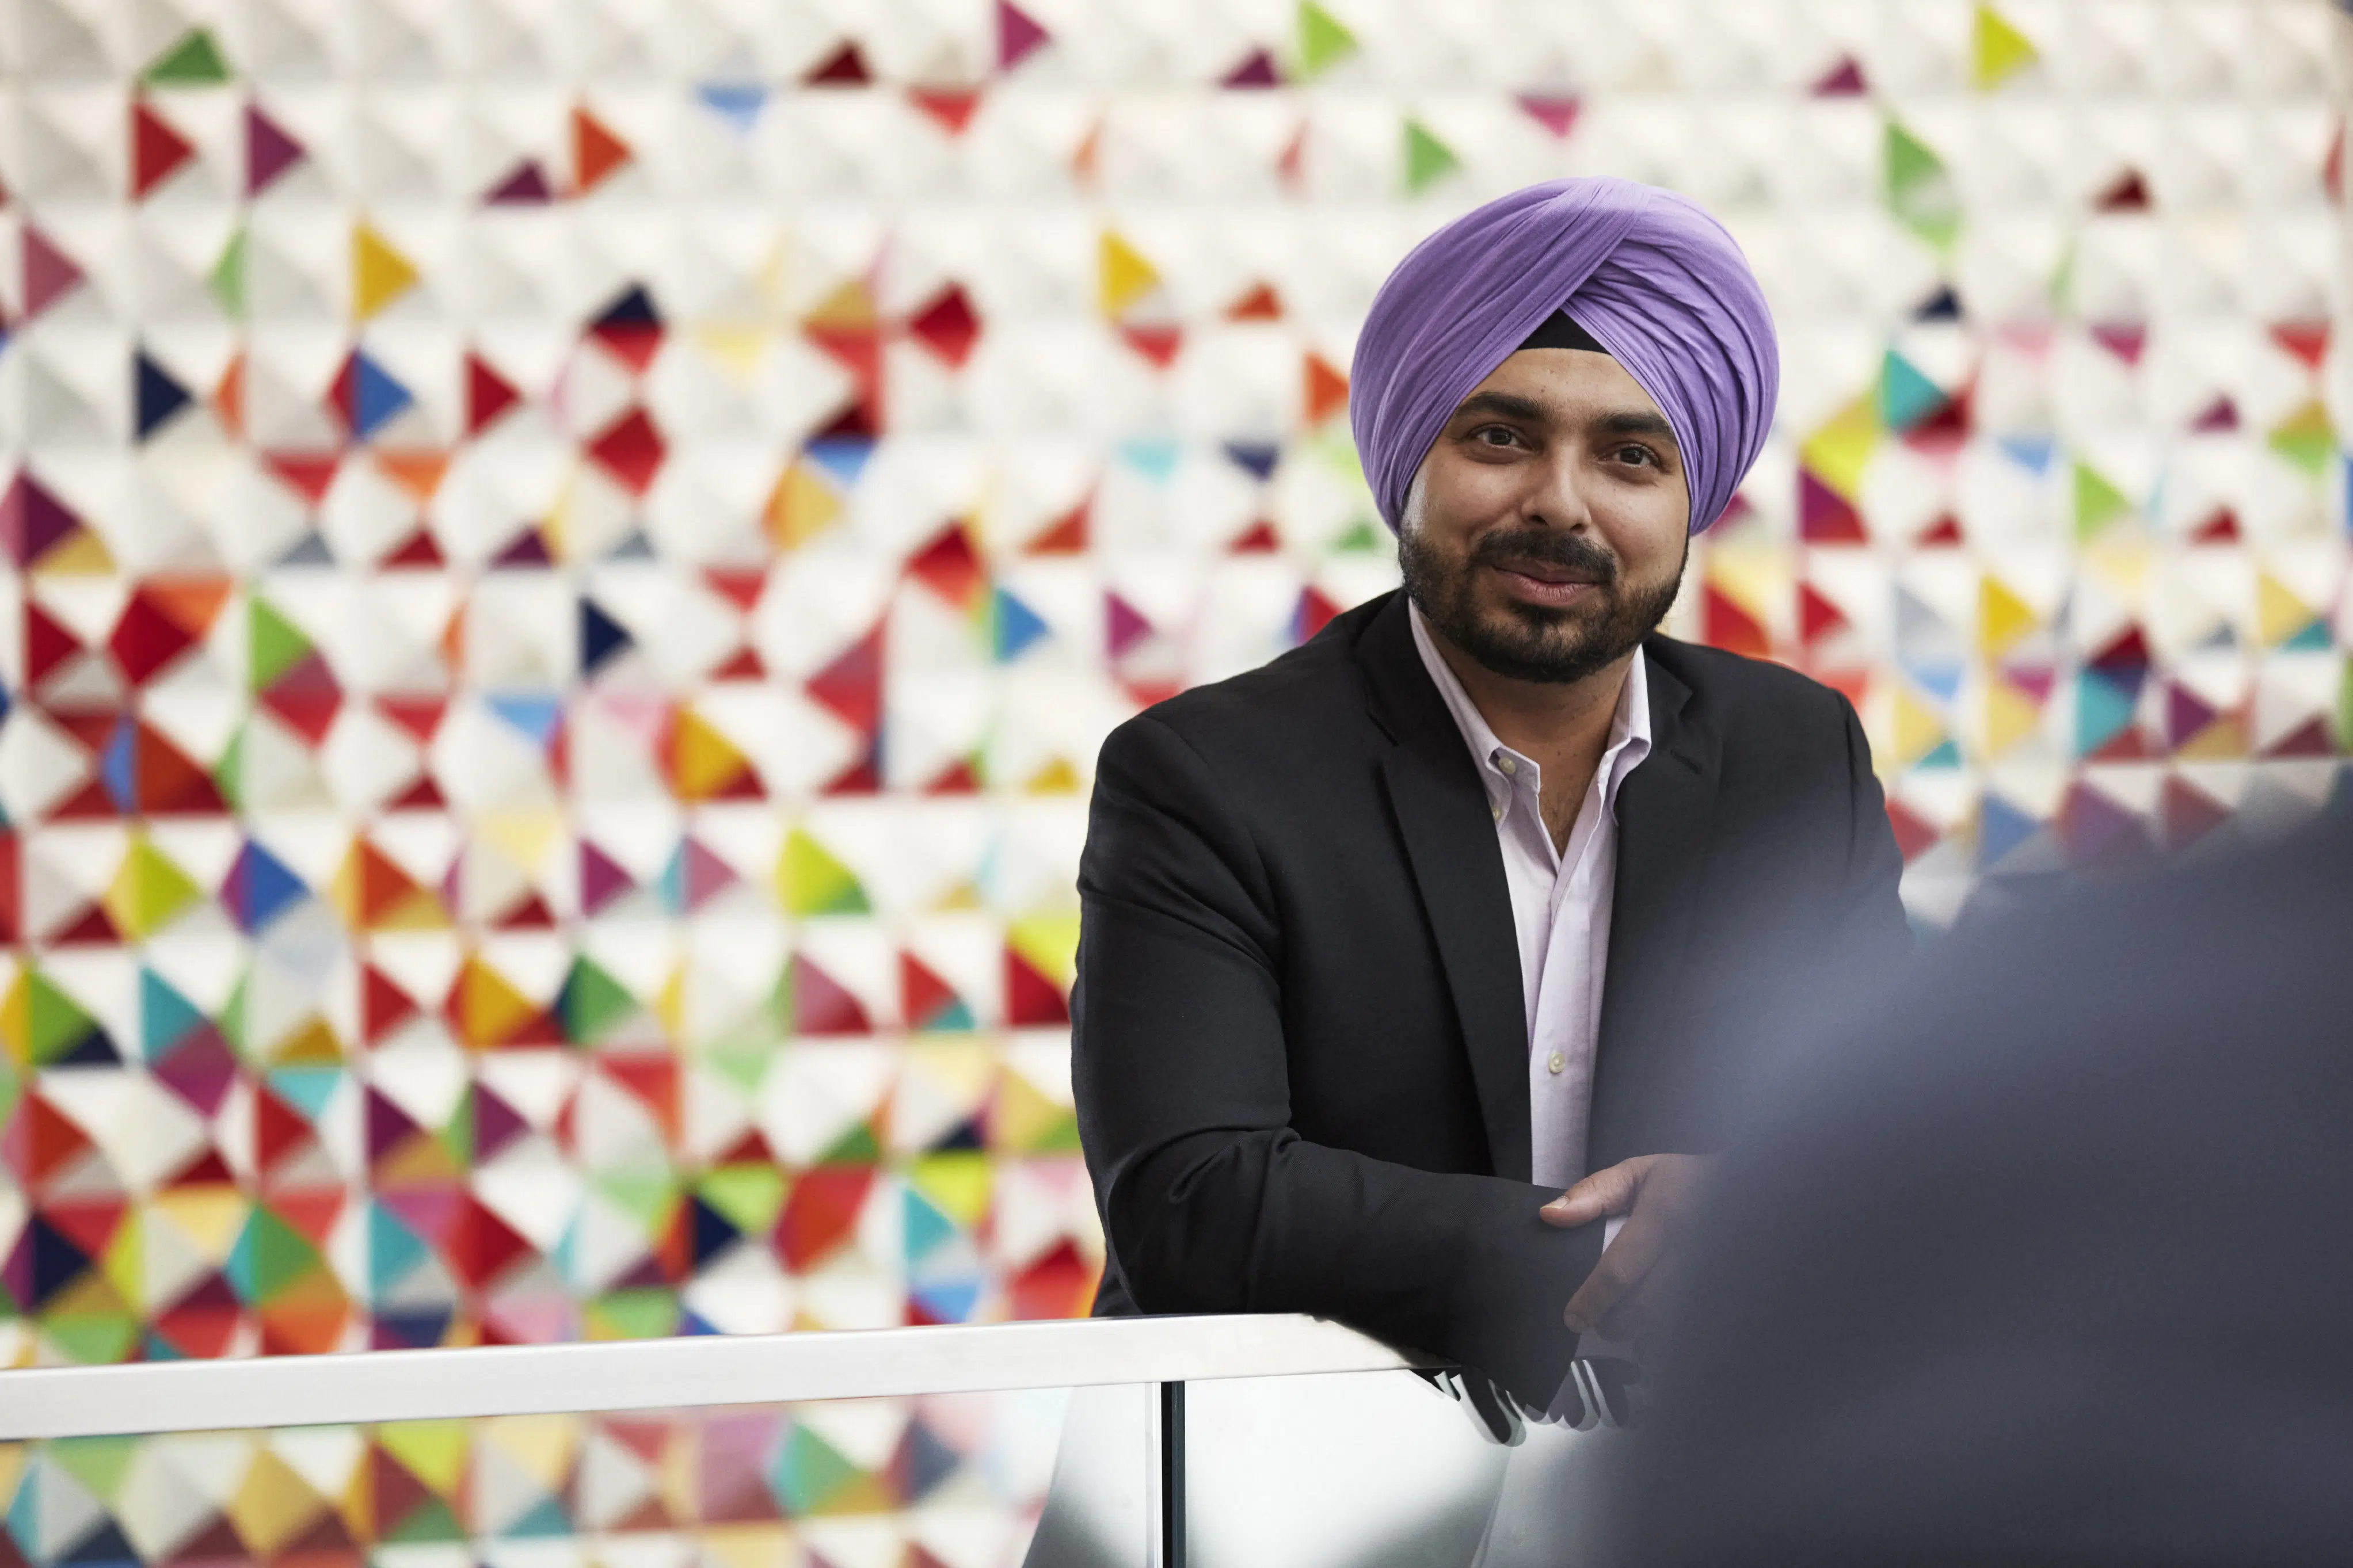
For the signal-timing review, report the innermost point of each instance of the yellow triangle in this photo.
(1122, 275)
(2222, 741)
(212, 1215)
(541, 1446)
(704, 761)
(848, 307)
(435, 1452)
(148, 892)
(1057, 777)
(1919, 730)
(1021, 1117)
(1754, 579)
(725, 1545)
(2279, 615)
(2000, 51)
(1050, 943)
(2010, 716)
(81, 554)
(524, 837)
(310, 1044)
(270, 1504)
(1839, 450)
(737, 350)
(802, 506)
(2002, 618)
(2121, 563)
(669, 1005)
(379, 273)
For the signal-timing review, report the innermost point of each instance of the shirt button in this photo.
(1557, 1061)
(1496, 812)
(1509, 766)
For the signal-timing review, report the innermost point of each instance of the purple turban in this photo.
(1654, 280)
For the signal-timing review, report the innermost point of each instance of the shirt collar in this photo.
(1630, 728)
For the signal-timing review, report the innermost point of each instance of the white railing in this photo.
(648, 1374)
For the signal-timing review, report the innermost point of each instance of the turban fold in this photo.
(1657, 282)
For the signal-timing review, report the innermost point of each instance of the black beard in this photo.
(1529, 643)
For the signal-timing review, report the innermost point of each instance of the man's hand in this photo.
(1657, 1193)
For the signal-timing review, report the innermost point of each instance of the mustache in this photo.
(1569, 551)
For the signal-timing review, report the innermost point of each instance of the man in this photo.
(2057, 1247)
(1483, 889)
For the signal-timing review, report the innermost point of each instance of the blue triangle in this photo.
(1154, 457)
(118, 769)
(925, 1228)
(1257, 458)
(2031, 451)
(259, 887)
(601, 637)
(1906, 397)
(2001, 828)
(633, 307)
(537, 717)
(155, 393)
(376, 398)
(1016, 626)
(2103, 708)
(307, 1089)
(843, 457)
(947, 1301)
(737, 102)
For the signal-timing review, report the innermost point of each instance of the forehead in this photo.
(1571, 383)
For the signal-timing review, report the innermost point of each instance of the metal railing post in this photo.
(1171, 1523)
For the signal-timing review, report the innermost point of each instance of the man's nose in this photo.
(1555, 497)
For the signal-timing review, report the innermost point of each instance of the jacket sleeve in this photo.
(1210, 1202)
(1873, 930)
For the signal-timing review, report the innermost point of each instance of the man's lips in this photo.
(1556, 588)
(1545, 572)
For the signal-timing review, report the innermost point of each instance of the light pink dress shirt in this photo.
(1560, 906)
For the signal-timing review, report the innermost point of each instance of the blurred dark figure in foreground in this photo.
(2049, 1261)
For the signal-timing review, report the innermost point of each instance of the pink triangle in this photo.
(703, 874)
(48, 272)
(601, 880)
(526, 185)
(496, 1123)
(2122, 339)
(268, 151)
(1123, 626)
(1018, 35)
(1557, 112)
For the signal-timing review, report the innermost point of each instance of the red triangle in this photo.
(488, 394)
(165, 781)
(843, 67)
(1067, 535)
(2186, 814)
(2127, 193)
(1031, 1001)
(957, 778)
(1260, 304)
(308, 473)
(630, 450)
(90, 928)
(420, 548)
(923, 994)
(48, 273)
(2126, 339)
(1556, 112)
(947, 325)
(2307, 341)
(821, 1006)
(949, 566)
(1913, 833)
(89, 1223)
(821, 1213)
(739, 586)
(1945, 530)
(596, 151)
(49, 646)
(1824, 516)
(383, 1006)
(2220, 527)
(1157, 344)
(1725, 625)
(157, 152)
(1817, 616)
(850, 686)
(951, 108)
(51, 1140)
(1843, 80)
(2309, 739)
(1258, 539)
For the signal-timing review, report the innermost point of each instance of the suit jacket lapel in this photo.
(1450, 839)
(1665, 809)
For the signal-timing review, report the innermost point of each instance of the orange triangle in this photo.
(1327, 390)
(596, 151)
(416, 473)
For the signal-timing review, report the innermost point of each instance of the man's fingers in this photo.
(1623, 1266)
(1606, 1192)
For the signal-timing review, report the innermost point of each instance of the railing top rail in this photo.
(646, 1375)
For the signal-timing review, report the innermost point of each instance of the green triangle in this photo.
(228, 773)
(748, 1196)
(2098, 503)
(194, 61)
(590, 1003)
(1919, 188)
(858, 1146)
(93, 1339)
(54, 1022)
(1323, 41)
(98, 1463)
(231, 1021)
(810, 1472)
(646, 1193)
(645, 1313)
(815, 883)
(1427, 159)
(1364, 538)
(2306, 439)
(226, 278)
(457, 1135)
(430, 1521)
(269, 1256)
(274, 645)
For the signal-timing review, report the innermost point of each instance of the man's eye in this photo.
(1495, 435)
(1637, 455)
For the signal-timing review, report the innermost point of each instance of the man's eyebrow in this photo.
(1504, 404)
(1636, 422)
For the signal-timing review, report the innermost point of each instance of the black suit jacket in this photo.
(2045, 1260)
(1299, 1043)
